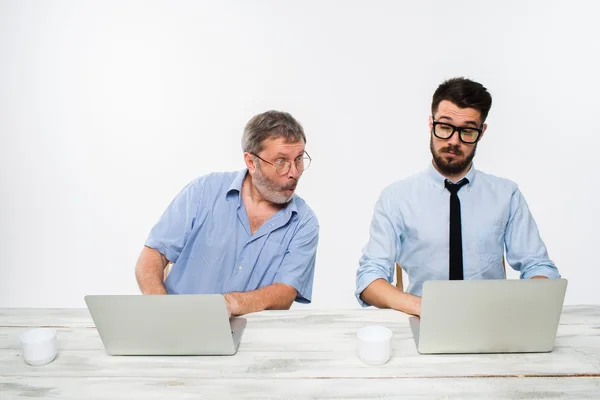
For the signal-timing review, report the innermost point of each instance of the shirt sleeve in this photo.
(381, 251)
(173, 229)
(525, 250)
(298, 266)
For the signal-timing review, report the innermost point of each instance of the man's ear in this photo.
(430, 123)
(249, 160)
(482, 131)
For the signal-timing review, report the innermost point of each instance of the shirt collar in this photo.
(236, 186)
(438, 179)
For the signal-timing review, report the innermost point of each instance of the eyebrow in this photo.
(466, 122)
(281, 155)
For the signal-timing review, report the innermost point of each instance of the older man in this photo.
(450, 221)
(242, 234)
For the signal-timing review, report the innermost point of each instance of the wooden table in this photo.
(298, 354)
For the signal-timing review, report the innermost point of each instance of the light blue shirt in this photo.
(411, 226)
(205, 232)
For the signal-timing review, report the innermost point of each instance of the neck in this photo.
(452, 177)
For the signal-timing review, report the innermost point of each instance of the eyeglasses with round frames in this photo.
(282, 166)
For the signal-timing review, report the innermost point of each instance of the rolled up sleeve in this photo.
(382, 249)
(173, 229)
(298, 266)
(525, 250)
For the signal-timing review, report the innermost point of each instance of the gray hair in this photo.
(271, 124)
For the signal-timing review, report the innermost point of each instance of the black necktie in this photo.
(456, 256)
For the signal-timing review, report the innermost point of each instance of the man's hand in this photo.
(382, 294)
(155, 290)
(539, 277)
(232, 304)
(417, 303)
(277, 296)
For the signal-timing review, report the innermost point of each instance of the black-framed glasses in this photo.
(444, 130)
(282, 166)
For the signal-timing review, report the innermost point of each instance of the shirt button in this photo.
(240, 267)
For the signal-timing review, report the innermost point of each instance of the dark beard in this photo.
(451, 168)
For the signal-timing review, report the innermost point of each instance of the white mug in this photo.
(39, 346)
(374, 344)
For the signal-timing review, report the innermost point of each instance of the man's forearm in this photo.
(382, 294)
(149, 271)
(277, 296)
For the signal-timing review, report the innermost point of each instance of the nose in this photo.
(293, 172)
(455, 139)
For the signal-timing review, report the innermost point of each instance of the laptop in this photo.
(489, 316)
(196, 324)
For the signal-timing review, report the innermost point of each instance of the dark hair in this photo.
(270, 124)
(465, 93)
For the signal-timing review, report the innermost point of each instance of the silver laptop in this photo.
(489, 316)
(195, 324)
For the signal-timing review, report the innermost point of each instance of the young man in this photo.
(450, 221)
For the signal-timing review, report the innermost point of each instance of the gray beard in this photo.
(268, 189)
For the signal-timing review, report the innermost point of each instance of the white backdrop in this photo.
(108, 108)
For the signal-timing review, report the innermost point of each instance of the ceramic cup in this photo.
(39, 346)
(374, 344)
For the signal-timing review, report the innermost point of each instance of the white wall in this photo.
(108, 108)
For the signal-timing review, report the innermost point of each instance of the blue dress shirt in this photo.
(205, 232)
(411, 226)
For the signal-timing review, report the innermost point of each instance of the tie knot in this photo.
(455, 187)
